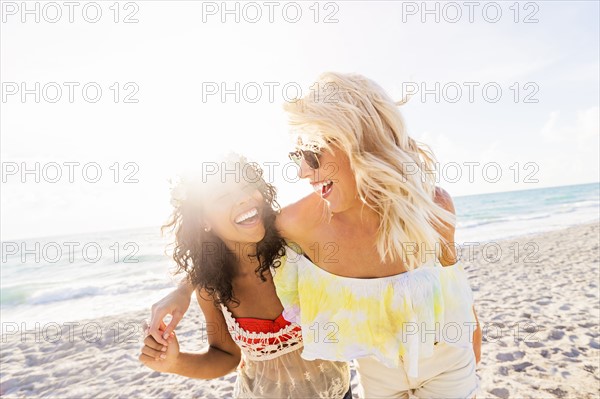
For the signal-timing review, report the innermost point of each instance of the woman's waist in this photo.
(290, 369)
(291, 362)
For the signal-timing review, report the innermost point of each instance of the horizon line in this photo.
(122, 229)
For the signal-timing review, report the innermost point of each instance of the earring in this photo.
(207, 229)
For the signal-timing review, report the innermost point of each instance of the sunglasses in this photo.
(311, 158)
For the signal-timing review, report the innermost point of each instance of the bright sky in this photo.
(542, 130)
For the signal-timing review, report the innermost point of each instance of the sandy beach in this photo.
(540, 311)
(537, 298)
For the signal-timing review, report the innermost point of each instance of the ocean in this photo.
(60, 279)
(487, 217)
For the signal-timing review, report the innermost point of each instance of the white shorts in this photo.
(449, 373)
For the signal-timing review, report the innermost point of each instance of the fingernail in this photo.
(165, 335)
(163, 356)
(164, 349)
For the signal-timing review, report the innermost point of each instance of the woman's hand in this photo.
(220, 358)
(175, 304)
(160, 357)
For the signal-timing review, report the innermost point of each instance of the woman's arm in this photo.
(477, 338)
(448, 256)
(446, 230)
(221, 357)
(176, 303)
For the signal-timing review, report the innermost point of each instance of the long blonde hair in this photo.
(395, 176)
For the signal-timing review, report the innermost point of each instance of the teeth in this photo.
(319, 186)
(246, 215)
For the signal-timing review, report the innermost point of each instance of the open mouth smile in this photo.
(248, 218)
(323, 188)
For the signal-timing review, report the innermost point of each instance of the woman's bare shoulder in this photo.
(296, 219)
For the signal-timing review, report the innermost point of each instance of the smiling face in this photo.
(334, 180)
(234, 212)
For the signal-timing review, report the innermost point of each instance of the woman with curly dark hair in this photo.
(227, 244)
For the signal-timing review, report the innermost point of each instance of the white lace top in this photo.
(273, 368)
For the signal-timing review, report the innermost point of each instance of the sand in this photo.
(540, 310)
(540, 316)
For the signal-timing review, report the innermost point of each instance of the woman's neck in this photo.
(245, 257)
(246, 260)
(247, 267)
(359, 215)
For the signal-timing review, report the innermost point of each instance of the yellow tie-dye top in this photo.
(392, 318)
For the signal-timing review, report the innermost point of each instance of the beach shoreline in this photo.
(537, 297)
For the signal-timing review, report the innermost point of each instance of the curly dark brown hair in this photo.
(209, 264)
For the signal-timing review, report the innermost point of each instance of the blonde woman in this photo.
(378, 233)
